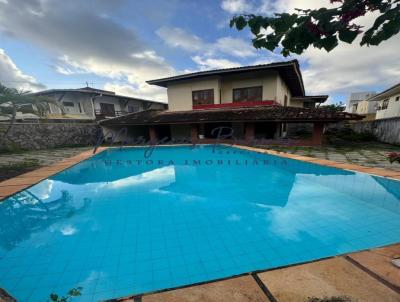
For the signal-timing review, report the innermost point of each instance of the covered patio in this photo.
(245, 125)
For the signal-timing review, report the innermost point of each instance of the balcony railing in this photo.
(99, 112)
(238, 104)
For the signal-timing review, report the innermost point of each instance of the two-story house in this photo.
(89, 104)
(356, 98)
(252, 102)
(387, 103)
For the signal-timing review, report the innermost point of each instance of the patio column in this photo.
(318, 130)
(153, 134)
(249, 132)
(194, 133)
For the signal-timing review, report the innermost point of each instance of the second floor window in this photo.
(132, 108)
(385, 104)
(249, 94)
(107, 109)
(202, 97)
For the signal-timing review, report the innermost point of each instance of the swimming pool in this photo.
(120, 223)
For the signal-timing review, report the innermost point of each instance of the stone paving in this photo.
(368, 155)
(362, 276)
(45, 157)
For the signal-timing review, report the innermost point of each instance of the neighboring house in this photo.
(368, 109)
(257, 102)
(89, 103)
(357, 97)
(387, 103)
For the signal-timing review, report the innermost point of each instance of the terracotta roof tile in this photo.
(255, 114)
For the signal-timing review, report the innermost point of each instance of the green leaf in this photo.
(240, 22)
(255, 24)
(347, 35)
(54, 297)
(329, 43)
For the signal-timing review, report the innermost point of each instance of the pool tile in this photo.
(203, 226)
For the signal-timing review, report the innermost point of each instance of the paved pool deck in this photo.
(363, 276)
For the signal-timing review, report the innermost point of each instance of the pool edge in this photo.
(24, 181)
(348, 257)
(328, 163)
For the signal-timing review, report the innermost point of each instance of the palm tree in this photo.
(13, 100)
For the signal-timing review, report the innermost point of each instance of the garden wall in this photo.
(385, 130)
(35, 136)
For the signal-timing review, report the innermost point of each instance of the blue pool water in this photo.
(119, 224)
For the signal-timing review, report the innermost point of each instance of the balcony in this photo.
(237, 104)
(100, 114)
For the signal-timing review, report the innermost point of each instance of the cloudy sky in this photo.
(118, 45)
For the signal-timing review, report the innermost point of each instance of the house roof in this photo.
(386, 93)
(249, 114)
(94, 91)
(312, 98)
(289, 71)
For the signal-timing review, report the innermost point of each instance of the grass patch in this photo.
(14, 169)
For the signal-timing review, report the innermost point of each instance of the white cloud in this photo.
(208, 55)
(236, 6)
(234, 47)
(12, 76)
(345, 69)
(179, 38)
(146, 91)
(85, 41)
(213, 63)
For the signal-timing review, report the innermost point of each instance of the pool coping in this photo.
(263, 287)
(24, 181)
(325, 162)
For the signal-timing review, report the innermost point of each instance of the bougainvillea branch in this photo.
(322, 28)
(394, 157)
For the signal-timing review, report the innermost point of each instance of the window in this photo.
(132, 108)
(309, 105)
(68, 104)
(397, 98)
(80, 107)
(107, 109)
(201, 97)
(248, 94)
(385, 104)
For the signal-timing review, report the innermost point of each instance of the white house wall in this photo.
(180, 94)
(107, 100)
(282, 90)
(393, 109)
(267, 81)
(76, 99)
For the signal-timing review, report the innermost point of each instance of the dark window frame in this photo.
(133, 108)
(68, 104)
(205, 99)
(108, 111)
(245, 96)
(385, 104)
